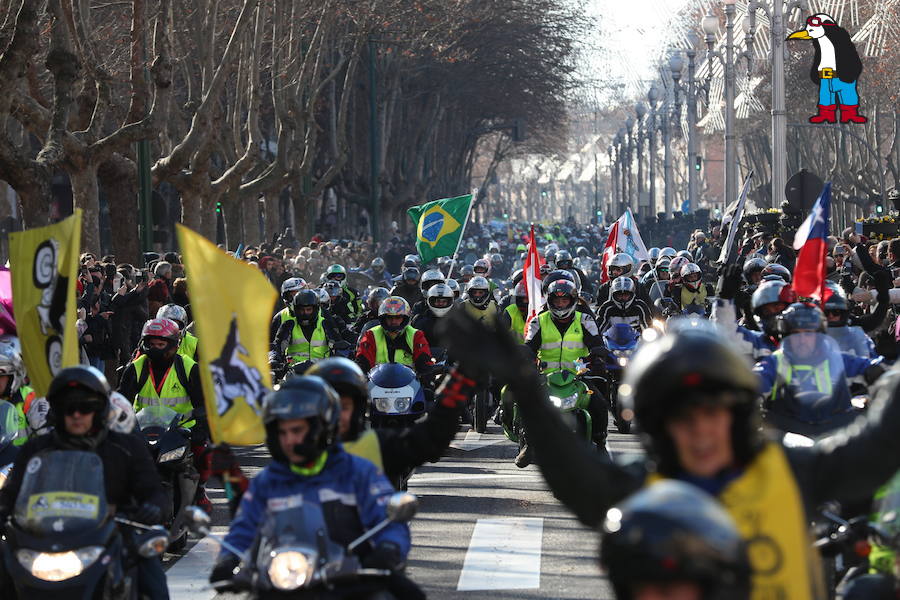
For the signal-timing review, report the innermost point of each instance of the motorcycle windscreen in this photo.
(621, 336)
(155, 416)
(62, 491)
(293, 521)
(392, 375)
(9, 424)
(812, 379)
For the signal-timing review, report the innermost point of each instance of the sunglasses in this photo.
(84, 407)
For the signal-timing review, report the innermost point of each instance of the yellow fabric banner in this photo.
(232, 305)
(44, 266)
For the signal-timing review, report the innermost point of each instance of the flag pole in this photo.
(462, 234)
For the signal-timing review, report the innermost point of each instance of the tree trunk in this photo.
(208, 217)
(273, 224)
(232, 213)
(35, 203)
(85, 195)
(250, 216)
(119, 177)
(190, 209)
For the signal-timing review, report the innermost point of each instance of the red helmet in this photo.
(165, 329)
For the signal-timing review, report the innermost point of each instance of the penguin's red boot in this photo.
(849, 114)
(826, 114)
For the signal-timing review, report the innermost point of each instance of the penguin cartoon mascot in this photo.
(836, 67)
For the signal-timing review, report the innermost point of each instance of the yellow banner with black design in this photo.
(232, 305)
(440, 226)
(44, 270)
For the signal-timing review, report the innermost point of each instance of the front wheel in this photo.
(481, 410)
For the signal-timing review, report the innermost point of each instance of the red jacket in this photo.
(421, 351)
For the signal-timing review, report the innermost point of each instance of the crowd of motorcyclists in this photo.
(756, 409)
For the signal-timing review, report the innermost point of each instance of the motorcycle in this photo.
(292, 554)
(397, 396)
(62, 541)
(812, 397)
(621, 340)
(9, 431)
(170, 445)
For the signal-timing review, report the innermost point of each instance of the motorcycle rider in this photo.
(439, 301)
(623, 306)
(369, 318)
(482, 268)
(14, 390)
(479, 301)
(394, 340)
(188, 345)
(378, 274)
(672, 540)
(695, 402)
(768, 301)
(620, 265)
(430, 278)
(466, 273)
(691, 295)
(408, 287)
(307, 335)
(79, 401)
(850, 338)
(514, 315)
(349, 305)
(302, 419)
(289, 289)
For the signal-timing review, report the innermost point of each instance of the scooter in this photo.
(170, 445)
(621, 341)
(292, 555)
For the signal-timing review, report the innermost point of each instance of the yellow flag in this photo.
(232, 306)
(44, 266)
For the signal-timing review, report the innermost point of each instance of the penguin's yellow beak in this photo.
(800, 35)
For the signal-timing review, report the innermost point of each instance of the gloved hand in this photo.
(873, 372)
(147, 513)
(386, 555)
(224, 569)
(729, 282)
(884, 281)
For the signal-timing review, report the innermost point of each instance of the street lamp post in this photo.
(710, 25)
(675, 66)
(652, 97)
(629, 148)
(640, 109)
(693, 40)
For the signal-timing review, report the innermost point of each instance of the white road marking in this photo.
(189, 577)
(422, 480)
(503, 554)
(475, 440)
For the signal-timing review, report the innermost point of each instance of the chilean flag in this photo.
(810, 240)
(609, 250)
(531, 274)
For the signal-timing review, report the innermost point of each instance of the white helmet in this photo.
(676, 265)
(693, 271)
(11, 364)
(454, 287)
(622, 261)
(173, 312)
(483, 263)
(479, 284)
(619, 287)
(429, 278)
(440, 299)
(121, 414)
(292, 284)
(324, 298)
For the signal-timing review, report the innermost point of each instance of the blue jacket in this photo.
(767, 369)
(351, 491)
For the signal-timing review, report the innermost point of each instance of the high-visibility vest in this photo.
(557, 350)
(22, 398)
(367, 446)
(820, 373)
(315, 348)
(188, 345)
(689, 297)
(516, 322)
(285, 315)
(401, 356)
(354, 306)
(767, 509)
(172, 392)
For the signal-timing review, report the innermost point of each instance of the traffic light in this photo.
(698, 163)
(218, 207)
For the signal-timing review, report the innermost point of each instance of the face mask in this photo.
(157, 354)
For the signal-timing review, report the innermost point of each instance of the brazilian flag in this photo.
(440, 225)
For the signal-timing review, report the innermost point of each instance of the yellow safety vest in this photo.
(23, 398)
(285, 315)
(353, 304)
(188, 345)
(367, 446)
(403, 357)
(558, 351)
(767, 509)
(301, 349)
(688, 297)
(172, 393)
(516, 323)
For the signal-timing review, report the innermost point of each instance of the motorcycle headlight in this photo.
(623, 361)
(402, 404)
(383, 405)
(154, 546)
(567, 403)
(171, 455)
(289, 569)
(58, 566)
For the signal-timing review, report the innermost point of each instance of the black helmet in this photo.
(800, 317)
(376, 297)
(672, 531)
(556, 275)
(467, 271)
(562, 288)
(753, 265)
(303, 397)
(520, 295)
(347, 379)
(306, 298)
(776, 269)
(410, 275)
(563, 260)
(690, 365)
(837, 305)
(80, 387)
(516, 277)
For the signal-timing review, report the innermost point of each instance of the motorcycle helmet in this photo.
(654, 255)
(306, 298)
(333, 287)
(466, 272)
(431, 277)
(662, 268)
(675, 266)
(493, 247)
(290, 287)
(82, 389)
(692, 276)
(11, 365)
(563, 260)
(516, 277)
(685, 253)
(454, 287)
(622, 291)
(801, 317)
(666, 252)
(556, 275)
(121, 414)
(769, 299)
(496, 261)
(479, 292)
(837, 308)
(394, 306)
(620, 264)
(377, 265)
(347, 379)
(336, 273)
(673, 531)
(173, 312)
(482, 267)
(582, 252)
(410, 276)
(303, 397)
(160, 329)
(752, 267)
(412, 260)
(376, 297)
(440, 299)
(562, 298)
(324, 298)
(520, 296)
(692, 364)
(776, 269)
(545, 268)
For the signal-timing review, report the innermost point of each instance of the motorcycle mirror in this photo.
(196, 518)
(402, 507)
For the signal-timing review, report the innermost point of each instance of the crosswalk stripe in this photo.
(503, 554)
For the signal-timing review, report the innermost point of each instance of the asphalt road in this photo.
(485, 529)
